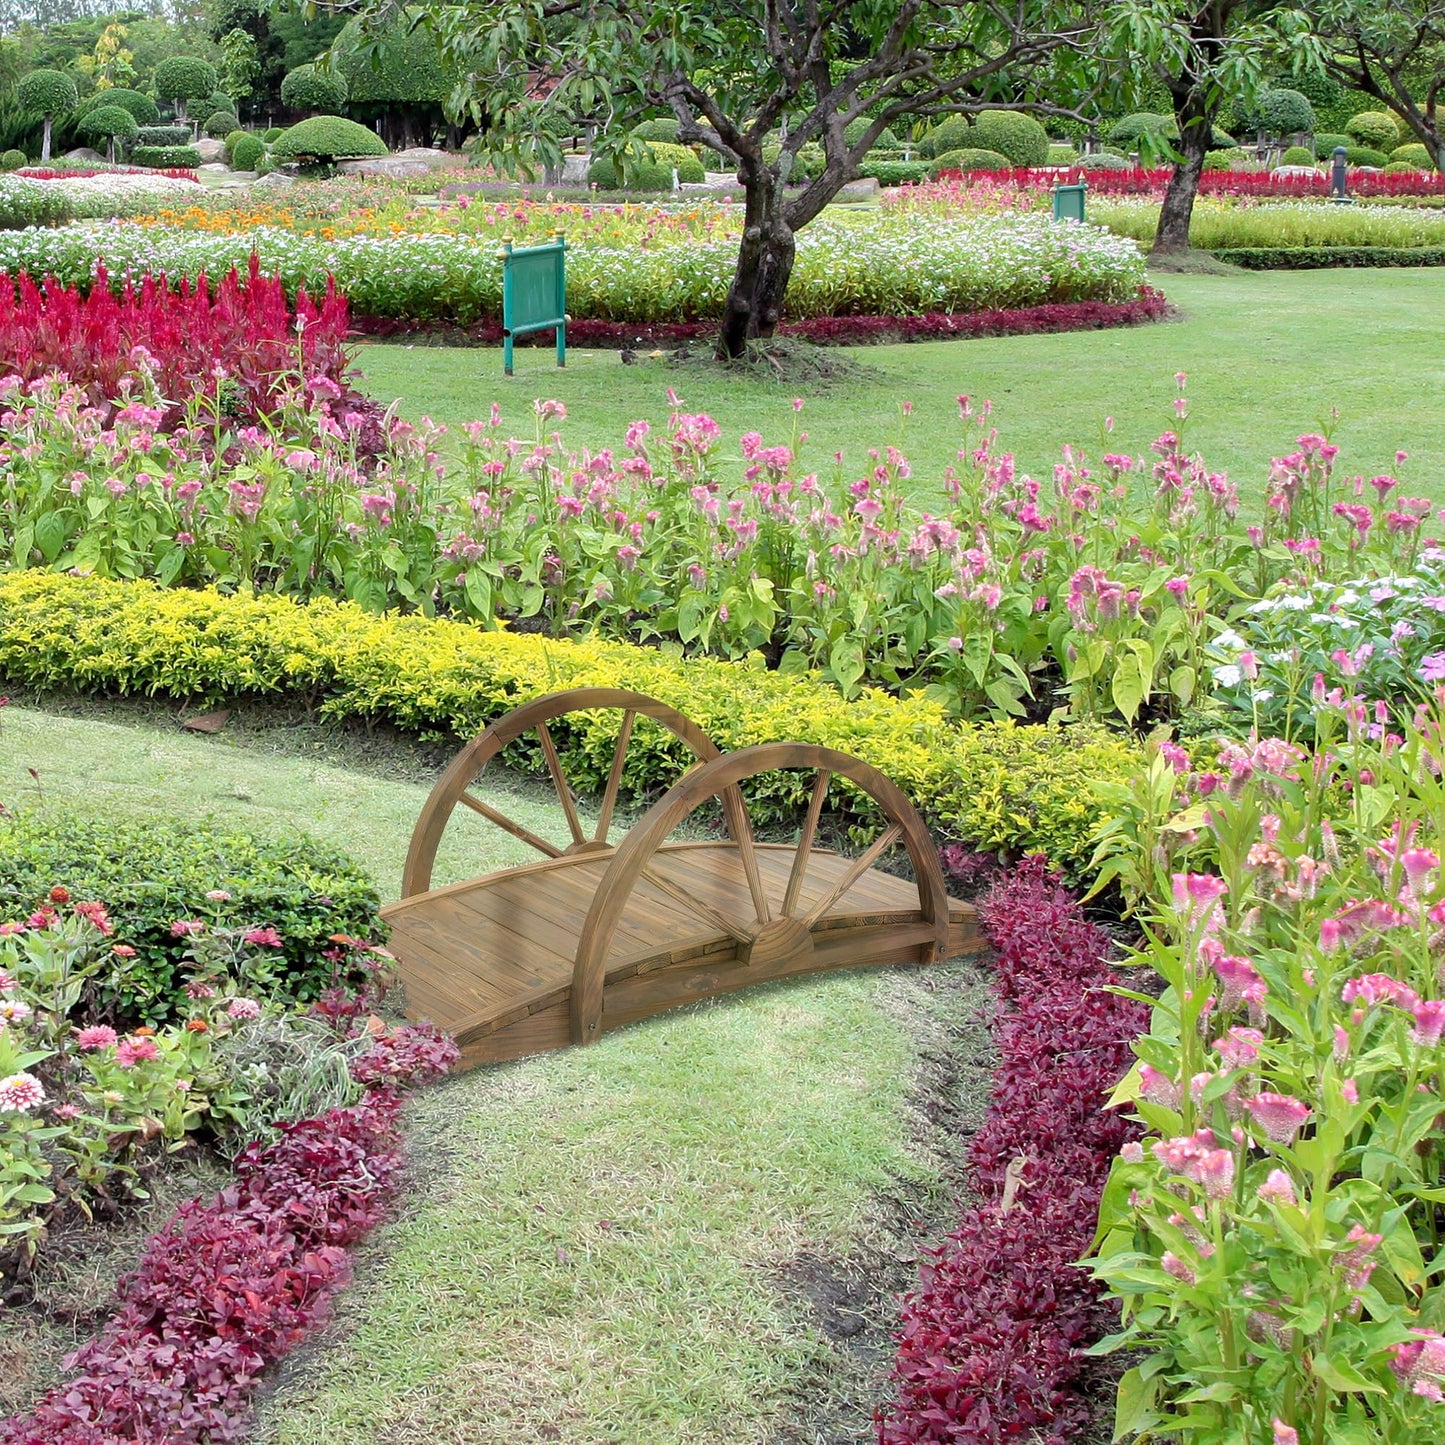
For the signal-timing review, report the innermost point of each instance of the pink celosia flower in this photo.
(244, 1008)
(20, 1093)
(1357, 1264)
(96, 1036)
(1216, 1173)
(262, 937)
(1429, 1022)
(1132, 1152)
(1279, 1115)
(1158, 1088)
(1171, 1264)
(130, 1052)
(1239, 1047)
(1372, 989)
(1285, 1434)
(1278, 1188)
(1239, 982)
(1197, 895)
(1350, 1091)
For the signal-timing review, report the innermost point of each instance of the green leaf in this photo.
(1340, 1374)
(1134, 1403)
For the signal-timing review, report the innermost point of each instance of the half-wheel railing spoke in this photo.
(559, 782)
(614, 778)
(736, 813)
(696, 906)
(509, 825)
(805, 842)
(861, 865)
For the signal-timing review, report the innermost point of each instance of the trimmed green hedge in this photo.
(652, 173)
(150, 872)
(998, 786)
(968, 160)
(327, 138)
(893, 173)
(161, 158)
(1318, 258)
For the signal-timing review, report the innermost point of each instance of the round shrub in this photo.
(142, 107)
(185, 77)
(1221, 160)
(649, 174)
(221, 124)
(327, 138)
(307, 88)
(1325, 145)
(1415, 155)
(110, 122)
(274, 134)
(1011, 133)
(231, 137)
(969, 158)
(663, 128)
(1401, 168)
(1298, 156)
(47, 92)
(1281, 112)
(12, 160)
(1062, 155)
(1375, 129)
(400, 66)
(1127, 133)
(853, 133)
(1103, 161)
(247, 152)
(1366, 156)
(219, 100)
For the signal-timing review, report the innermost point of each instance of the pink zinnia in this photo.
(97, 1036)
(244, 1008)
(7, 983)
(14, 1011)
(263, 937)
(130, 1052)
(1279, 1115)
(20, 1093)
(185, 927)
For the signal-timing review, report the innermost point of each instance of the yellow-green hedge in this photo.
(996, 785)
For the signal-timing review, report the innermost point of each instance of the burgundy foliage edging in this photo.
(232, 1284)
(989, 1349)
(1149, 305)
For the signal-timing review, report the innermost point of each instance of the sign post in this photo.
(534, 294)
(1069, 201)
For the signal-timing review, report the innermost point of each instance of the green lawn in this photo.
(1268, 356)
(590, 1242)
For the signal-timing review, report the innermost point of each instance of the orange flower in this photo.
(198, 1026)
(144, 1031)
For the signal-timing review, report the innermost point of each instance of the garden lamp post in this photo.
(1337, 178)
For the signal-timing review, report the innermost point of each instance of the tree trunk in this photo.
(45, 143)
(765, 261)
(1191, 110)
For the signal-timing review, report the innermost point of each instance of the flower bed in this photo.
(1149, 305)
(991, 1345)
(1004, 787)
(163, 345)
(1275, 1242)
(1012, 599)
(874, 266)
(1284, 225)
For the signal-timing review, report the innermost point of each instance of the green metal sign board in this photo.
(534, 294)
(1069, 202)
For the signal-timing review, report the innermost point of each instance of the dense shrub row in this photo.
(152, 873)
(1002, 787)
(1315, 258)
(991, 1343)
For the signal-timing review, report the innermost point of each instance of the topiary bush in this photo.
(1280, 113)
(1011, 133)
(110, 123)
(888, 172)
(1374, 129)
(12, 160)
(1298, 156)
(327, 138)
(142, 107)
(663, 128)
(1222, 160)
(1127, 133)
(183, 78)
(400, 66)
(968, 159)
(164, 158)
(651, 173)
(1103, 161)
(1366, 156)
(219, 125)
(1326, 144)
(150, 872)
(274, 134)
(247, 152)
(853, 133)
(1414, 155)
(320, 91)
(219, 100)
(163, 135)
(46, 93)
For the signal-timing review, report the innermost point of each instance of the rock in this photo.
(865, 189)
(210, 150)
(213, 166)
(417, 161)
(1289, 171)
(275, 179)
(84, 156)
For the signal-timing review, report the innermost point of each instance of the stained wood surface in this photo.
(487, 958)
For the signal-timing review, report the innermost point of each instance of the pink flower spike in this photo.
(1239, 1047)
(1285, 1434)
(1429, 1023)
(1279, 1115)
(1216, 1173)
(1278, 1188)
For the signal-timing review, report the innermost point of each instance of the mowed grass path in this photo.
(589, 1242)
(1268, 355)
